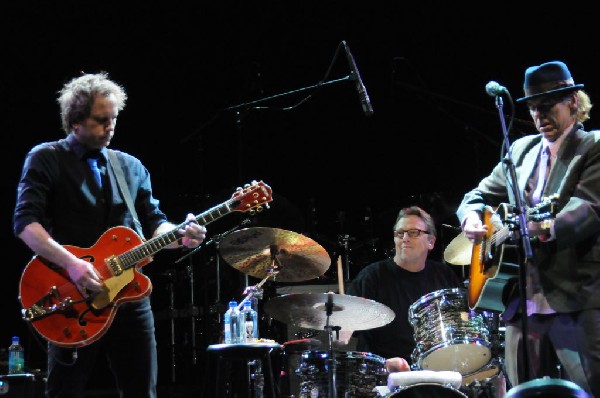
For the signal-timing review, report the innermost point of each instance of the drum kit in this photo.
(449, 336)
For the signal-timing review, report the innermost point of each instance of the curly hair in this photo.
(77, 97)
(584, 106)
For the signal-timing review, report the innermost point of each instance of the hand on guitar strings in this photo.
(193, 234)
(473, 228)
(84, 275)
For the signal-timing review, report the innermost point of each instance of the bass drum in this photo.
(426, 390)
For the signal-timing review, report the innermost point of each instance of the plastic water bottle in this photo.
(248, 324)
(16, 357)
(231, 324)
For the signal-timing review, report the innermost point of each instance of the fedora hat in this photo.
(547, 79)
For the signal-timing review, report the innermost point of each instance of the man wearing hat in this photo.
(563, 276)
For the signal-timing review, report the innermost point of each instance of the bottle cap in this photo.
(233, 303)
(247, 304)
(15, 339)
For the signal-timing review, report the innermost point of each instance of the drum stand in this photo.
(253, 293)
(331, 365)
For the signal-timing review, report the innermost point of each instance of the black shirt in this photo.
(58, 190)
(387, 283)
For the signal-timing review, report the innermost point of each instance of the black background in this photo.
(433, 135)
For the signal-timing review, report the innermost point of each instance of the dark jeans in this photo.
(571, 340)
(130, 347)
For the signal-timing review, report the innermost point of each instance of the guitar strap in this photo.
(116, 165)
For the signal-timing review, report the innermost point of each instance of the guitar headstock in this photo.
(253, 197)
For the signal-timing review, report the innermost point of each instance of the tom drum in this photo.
(448, 335)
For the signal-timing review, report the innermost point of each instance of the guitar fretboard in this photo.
(131, 257)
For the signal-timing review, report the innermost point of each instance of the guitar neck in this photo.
(131, 257)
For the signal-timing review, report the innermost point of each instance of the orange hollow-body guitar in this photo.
(53, 305)
(489, 274)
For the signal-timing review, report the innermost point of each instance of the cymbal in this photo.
(348, 312)
(459, 251)
(297, 257)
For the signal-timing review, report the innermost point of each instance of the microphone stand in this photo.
(523, 234)
(240, 110)
(215, 240)
(280, 95)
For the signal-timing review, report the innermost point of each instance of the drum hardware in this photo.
(482, 378)
(331, 362)
(284, 256)
(271, 253)
(293, 347)
(253, 293)
(192, 311)
(291, 257)
(357, 374)
(332, 312)
(172, 313)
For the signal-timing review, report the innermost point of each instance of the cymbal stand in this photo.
(193, 310)
(171, 290)
(332, 368)
(255, 291)
(272, 271)
(255, 375)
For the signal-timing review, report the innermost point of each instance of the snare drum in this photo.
(357, 374)
(448, 335)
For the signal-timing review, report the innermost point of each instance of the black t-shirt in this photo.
(387, 283)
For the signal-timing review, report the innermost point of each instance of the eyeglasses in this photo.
(412, 233)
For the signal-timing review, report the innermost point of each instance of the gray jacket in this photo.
(569, 265)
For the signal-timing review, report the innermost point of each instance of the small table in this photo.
(224, 353)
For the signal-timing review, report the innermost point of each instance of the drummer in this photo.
(399, 282)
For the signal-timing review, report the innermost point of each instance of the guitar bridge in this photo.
(46, 306)
(115, 265)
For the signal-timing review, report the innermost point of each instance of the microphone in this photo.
(494, 89)
(360, 87)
